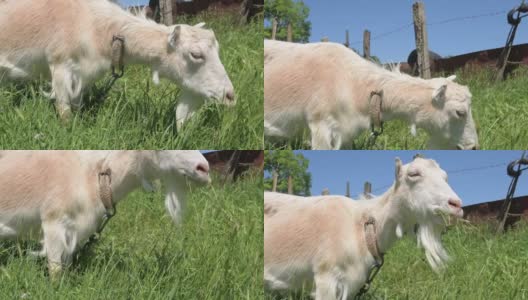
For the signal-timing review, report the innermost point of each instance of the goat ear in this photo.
(397, 173)
(440, 93)
(200, 25)
(451, 78)
(175, 36)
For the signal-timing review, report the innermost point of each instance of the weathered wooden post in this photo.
(166, 12)
(245, 11)
(274, 25)
(367, 190)
(366, 44)
(348, 189)
(347, 40)
(290, 184)
(232, 166)
(289, 37)
(275, 179)
(325, 192)
(420, 36)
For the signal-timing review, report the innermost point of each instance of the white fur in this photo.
(70, 41)
(321, 239)
(324, 89)
(58, 192)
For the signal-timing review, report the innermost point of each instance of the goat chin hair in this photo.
(429, 237)
(174, 202)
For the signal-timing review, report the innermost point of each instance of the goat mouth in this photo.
(455, 209)
(200, 177)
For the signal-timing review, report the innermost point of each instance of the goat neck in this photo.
(392, 217)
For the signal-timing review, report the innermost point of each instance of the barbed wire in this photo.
(468, 18)
(381, 35)
(449, 172)
(446, 21)
(477, 168)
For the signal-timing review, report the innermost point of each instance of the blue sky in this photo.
(133, 2)
(332, 18)
(331, 169)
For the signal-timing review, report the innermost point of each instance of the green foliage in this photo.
(285, 164)
(216, 253)
(483, 266)
(288, 12)
(138, 115)
(500, 111)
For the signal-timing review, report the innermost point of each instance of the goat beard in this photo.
(429, 237)
(175, 200)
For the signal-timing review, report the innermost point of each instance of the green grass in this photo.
(138, 115)
(500, 111)
(483, 266)
(216, 253)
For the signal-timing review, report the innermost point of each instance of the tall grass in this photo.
(216, 253)
(483, 266)
(137, 115)
(500, 111)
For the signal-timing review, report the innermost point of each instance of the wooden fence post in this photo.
(166, 12)
(347, 40)
(348, 189)
(420, 35)
(274, 25)
(289, 37)
(275, 179)
(366, 44)
(367, 190)
(290, 185)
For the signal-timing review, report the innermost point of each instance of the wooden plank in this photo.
(274, 25)
(290, 185)
(367, 190)
(420, 35)
(166, 12)
(366, 44)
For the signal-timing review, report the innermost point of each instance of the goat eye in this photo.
(197, 56)
(461, 113)
(414, 174)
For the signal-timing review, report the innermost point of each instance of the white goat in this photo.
(68, 194)
(326, 89)
(72, 42)
(327, 239)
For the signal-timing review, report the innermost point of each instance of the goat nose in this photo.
(202, 168)
(230, 95)
(455, 202)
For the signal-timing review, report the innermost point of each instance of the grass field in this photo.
(138, 115)
(216, 253)
(500, 111)
(483, 266)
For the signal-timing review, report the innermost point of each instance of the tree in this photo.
(285, 166)
(287, 12)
